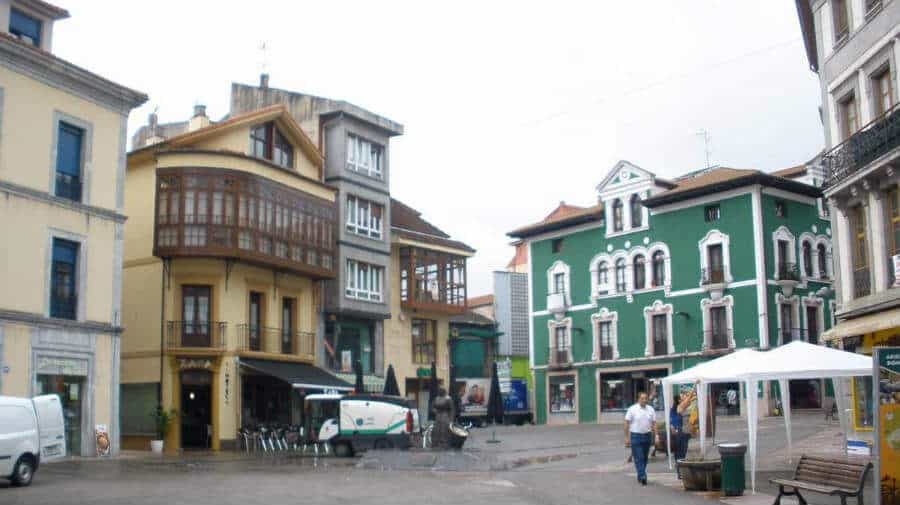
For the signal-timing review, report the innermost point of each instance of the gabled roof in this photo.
(479, 301)
(551, 223)
(277, 113)
(408, 222)
(521, 256)
(791, 172)
(623, 172)
(723, 178)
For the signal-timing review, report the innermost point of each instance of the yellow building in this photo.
(231, 231)
(429, 285)
(62, 178)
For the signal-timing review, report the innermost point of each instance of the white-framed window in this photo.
(364, 281)
(364, 156)
(813, 313)
(364, 217)
(606, 341)
(788, 313)
(718, 322)
(807, 255)
(560, 341)
(715, 258)
(658, 333)
(823, 258)
(786, 267)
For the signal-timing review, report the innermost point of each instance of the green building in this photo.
(662, 274)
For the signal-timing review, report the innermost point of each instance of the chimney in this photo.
(199, 119)
(264, 81)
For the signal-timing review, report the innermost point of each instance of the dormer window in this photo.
(268, 143)
(25, 27)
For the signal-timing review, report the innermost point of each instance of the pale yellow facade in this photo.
(156, 286)
(74, 355)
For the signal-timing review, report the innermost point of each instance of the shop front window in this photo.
(70, 390)
(612, 393)
(562, 394)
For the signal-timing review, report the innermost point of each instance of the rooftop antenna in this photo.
(264, 57)
(706, 150)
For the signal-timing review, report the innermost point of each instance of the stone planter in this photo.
(701, 474)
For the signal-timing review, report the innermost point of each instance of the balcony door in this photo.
(287, 326)
(787, 323)
(716, 263)
(254, 342)
(195, 309)
(718, 328)
(660, 335)
(812, 324)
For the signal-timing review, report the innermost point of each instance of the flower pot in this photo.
(156, 446)
(701, 474)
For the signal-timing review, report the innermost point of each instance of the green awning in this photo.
(476, 332)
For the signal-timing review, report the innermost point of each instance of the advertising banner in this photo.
(887, 423)
(504, 374)
(101, 431)
(473, 396)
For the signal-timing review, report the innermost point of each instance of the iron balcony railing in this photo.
(561, 356)
(68, 186)
(196, 334)
(717, 339)
(267, 339)
(866, 145)
(714, 275)
(862, 283)
(787, 271)
(788, 335)
(63, 306)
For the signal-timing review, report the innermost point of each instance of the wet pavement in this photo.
(530, 464)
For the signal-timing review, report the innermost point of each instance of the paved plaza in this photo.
(530, 464)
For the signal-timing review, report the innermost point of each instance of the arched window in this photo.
(659, 269)
(602, 274)
(620, 274)
(640, 271)
(617, 215)
(807, 259)
(637, 214)
(823, 261)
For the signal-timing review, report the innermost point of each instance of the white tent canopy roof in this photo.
(802, 360)
(724, 369)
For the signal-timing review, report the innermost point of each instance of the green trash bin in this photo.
(733, 476)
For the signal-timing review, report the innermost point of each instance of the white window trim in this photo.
(87, 152)
(708, 303)
(356, 165)
(610, 286)
(783, 233)
(657, 309)
(807, 237)
(559, 267)
(629, 284)
(829, 268)
(667, 263)
(812, 300)
(794, 302)
(625, 198)
(552, 325)
(713, 237)
(605, 316)
(82, 270)
(353, 291)
(353, 225)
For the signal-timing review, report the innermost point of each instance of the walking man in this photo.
(640, 431)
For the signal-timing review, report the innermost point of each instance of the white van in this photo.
(31, 431)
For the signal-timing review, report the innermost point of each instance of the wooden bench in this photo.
(834, 476)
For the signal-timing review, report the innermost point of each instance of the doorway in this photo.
(70, 390)
(196, 409)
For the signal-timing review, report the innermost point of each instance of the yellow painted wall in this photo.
(398, 334)
(103, 380)
(140, 204)
(28, 108)
(16, 355)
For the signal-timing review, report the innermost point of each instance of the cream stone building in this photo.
(62, 184)
(231, 233)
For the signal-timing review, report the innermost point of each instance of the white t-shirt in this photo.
(641, 418)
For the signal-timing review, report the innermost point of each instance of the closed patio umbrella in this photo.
(359, 388)
(495, 399)
(390, 383)
(432, 389)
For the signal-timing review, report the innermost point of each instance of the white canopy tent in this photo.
(796, 360)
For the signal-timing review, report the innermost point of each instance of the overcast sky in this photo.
(509, 107)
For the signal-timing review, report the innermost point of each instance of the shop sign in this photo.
(887, 423)
(61, 366)
(474, 395)
(423, 372)
(504, 375)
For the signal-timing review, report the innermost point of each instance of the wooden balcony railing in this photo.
(432, 280)
(210, 212)
(561, 356)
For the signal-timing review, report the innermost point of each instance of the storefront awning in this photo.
(477, 332)
(865, 324)
(298, 375)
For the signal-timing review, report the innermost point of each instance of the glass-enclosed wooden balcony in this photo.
(220, 213)
(432, 280)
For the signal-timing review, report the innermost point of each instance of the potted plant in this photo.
(163, 419)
